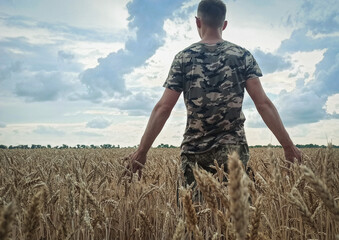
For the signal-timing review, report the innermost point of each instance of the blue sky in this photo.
(85, 72)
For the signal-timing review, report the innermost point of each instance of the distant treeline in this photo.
(110, 146)
(297, 145)
(63, 146)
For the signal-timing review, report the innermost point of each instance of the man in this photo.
(212, 74)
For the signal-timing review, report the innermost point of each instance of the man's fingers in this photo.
(139, 174)
(128, 157)
(134, 163)
(134, 166)
(138, 164)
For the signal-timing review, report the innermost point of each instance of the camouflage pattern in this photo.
(212, 78)
(206, 160)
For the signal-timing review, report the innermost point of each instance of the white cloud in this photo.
(47, 130)
(319, 133)
(332, 104)
(249, 27)
(98, 123)
(305, 64)
(180, 33)
(88, 52)
(103, 14)
(303, 68)
(86, 46)
(88, 134)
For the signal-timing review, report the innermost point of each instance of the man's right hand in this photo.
(135, 163)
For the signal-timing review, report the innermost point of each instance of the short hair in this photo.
(212, 12)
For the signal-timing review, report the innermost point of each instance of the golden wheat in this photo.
(82, 194)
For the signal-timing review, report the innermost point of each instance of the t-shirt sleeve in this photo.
(252, 69)
(175, 77)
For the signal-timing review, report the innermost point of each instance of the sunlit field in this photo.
(83, 194)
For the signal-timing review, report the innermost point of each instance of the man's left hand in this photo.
(293, 154)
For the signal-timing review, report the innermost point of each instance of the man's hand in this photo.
(292, 154)
(135, 163)
(159, 116)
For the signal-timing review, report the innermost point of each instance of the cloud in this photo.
(43, 86)
(146, 19)
(270, 63)
(7, 69)
(2, 125)
(327, 72)
(107, 15)
(332, 104)
(137, 104)
(65, 56)
(306, 103)
(99, 123)
(46, 130)
(319, 17)
(88, 134)
(300, 106)
(31, 50)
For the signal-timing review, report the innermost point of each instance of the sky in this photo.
(90, 72)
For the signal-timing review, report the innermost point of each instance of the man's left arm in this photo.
(272, 119)
(157, 120)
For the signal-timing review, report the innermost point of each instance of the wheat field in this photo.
(83, 194)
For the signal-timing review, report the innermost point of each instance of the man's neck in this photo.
(211, 36)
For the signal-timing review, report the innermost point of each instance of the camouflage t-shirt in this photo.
(212, 78)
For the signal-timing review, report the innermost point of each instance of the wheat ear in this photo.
(179, 233)
(322, 190)
(238, 192)
(6, 220)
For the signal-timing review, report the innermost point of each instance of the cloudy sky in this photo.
(89, 72)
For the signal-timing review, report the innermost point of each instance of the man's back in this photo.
(212, 78)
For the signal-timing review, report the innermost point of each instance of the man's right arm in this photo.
(271, 117)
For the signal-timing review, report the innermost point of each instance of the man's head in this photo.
(212, 13)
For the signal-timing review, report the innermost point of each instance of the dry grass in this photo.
(82, 194)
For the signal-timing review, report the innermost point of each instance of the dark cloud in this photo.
(327, 72)
(8, 68)
(65, 56)
(45, 130)
(42, 86)
(320, 17)
(301, 106)
(306, 103)
(270, 63)
(33, 71)
(146, 19)
(99, 123)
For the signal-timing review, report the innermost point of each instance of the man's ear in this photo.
(198, 22)
(225, 25)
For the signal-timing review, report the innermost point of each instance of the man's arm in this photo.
(157, 120)
(271, 117)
